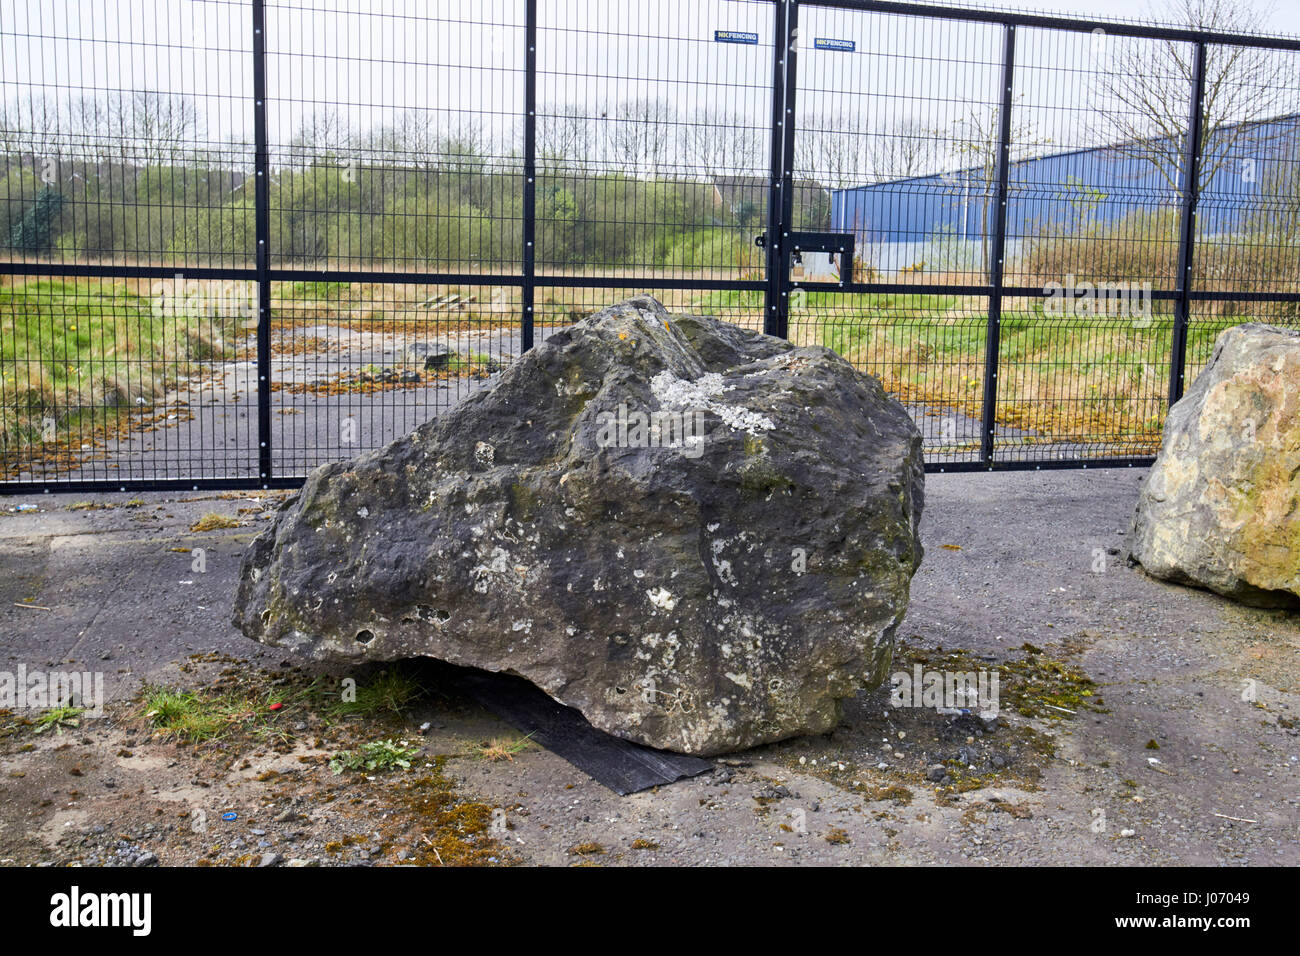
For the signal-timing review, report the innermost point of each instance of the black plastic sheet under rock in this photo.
(619, 764)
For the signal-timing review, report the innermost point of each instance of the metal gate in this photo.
(241, 239)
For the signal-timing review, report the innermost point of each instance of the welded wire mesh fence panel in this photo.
(894, 142)
(1097, 139)
(356, 365)
(396, 135)
(927, 349)
(125, 132)
(1248, 223)
(1080, 386)
(242, 238)
(128, 380)
(653, 137)
(1094, 209)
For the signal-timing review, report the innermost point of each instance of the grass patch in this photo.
(316, 290)
(212, 521)
(77, 357)
(185, 715)
(197, 717)
(391, 692)
(499, 749)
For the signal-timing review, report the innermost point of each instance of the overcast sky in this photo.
(371, 60)
(1280, 17)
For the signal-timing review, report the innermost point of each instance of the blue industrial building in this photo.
(915, 222)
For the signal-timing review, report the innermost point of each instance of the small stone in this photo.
(270, 859)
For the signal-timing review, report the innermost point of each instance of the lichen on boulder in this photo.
(1220, 508)
(699, 536)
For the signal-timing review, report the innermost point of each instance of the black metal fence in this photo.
(240, 239)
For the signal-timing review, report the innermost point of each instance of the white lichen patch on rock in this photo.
(662, 597)
(678, 394)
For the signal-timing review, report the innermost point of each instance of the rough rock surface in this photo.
(697, 595)
(1221, 506)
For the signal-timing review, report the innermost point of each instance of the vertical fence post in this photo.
(787, 163)
(997, 254)
(262, 224)
(527, 291)
(1191, 174)
(775, 314)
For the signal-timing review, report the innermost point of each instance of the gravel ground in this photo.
(1140, 722)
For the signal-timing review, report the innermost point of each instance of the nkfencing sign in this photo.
(731, 36)
(826, 43)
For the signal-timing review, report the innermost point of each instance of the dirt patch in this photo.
(243, 778)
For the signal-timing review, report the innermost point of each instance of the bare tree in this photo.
(978, 141)
(719, 144)
(904, 147)
(832, 148)
(150, 128)
(321, 136)
(410, 141)
(641, 136)
(1146, 91)
(33, 125)
(90, 126)
(567, 136)
(465, 147)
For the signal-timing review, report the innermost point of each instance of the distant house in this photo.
(905, 223)
(744, 198)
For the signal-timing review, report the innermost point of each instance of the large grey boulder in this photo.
(1220, 508)
(700, 537)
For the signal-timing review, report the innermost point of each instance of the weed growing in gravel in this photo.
(183, 714)
(375, 757)
(58, 718)
(499, 749)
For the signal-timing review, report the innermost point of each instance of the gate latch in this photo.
(840, 243)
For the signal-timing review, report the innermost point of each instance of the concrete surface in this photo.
(1203, 687)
